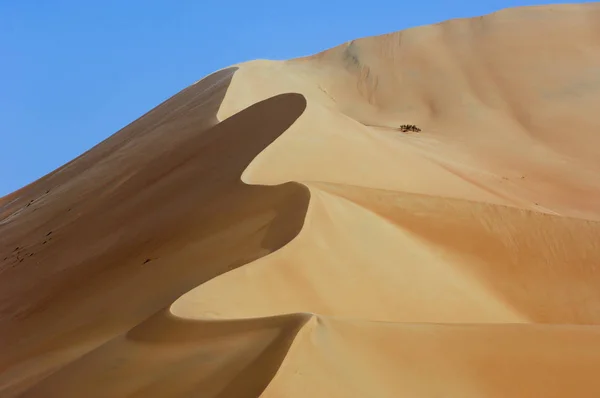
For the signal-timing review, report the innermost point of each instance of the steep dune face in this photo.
(269, 231)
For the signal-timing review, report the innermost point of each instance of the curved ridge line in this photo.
(270, 135)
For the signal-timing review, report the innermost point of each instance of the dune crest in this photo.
(271, 230)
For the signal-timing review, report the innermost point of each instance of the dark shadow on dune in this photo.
(259, 367)
(273, 238)
(165, 188)
(95, 185)
(180, 358)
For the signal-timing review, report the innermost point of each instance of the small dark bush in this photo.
(409, 127)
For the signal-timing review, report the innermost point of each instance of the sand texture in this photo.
(270, 231)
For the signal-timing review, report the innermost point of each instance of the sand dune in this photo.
(269, 231)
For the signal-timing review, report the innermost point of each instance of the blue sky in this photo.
(74, 72)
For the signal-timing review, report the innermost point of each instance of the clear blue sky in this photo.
(74, 72)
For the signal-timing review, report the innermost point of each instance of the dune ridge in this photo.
(269, 231)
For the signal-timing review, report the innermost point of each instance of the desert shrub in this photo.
(409, 127)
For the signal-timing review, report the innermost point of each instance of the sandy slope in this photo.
(269, 232)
